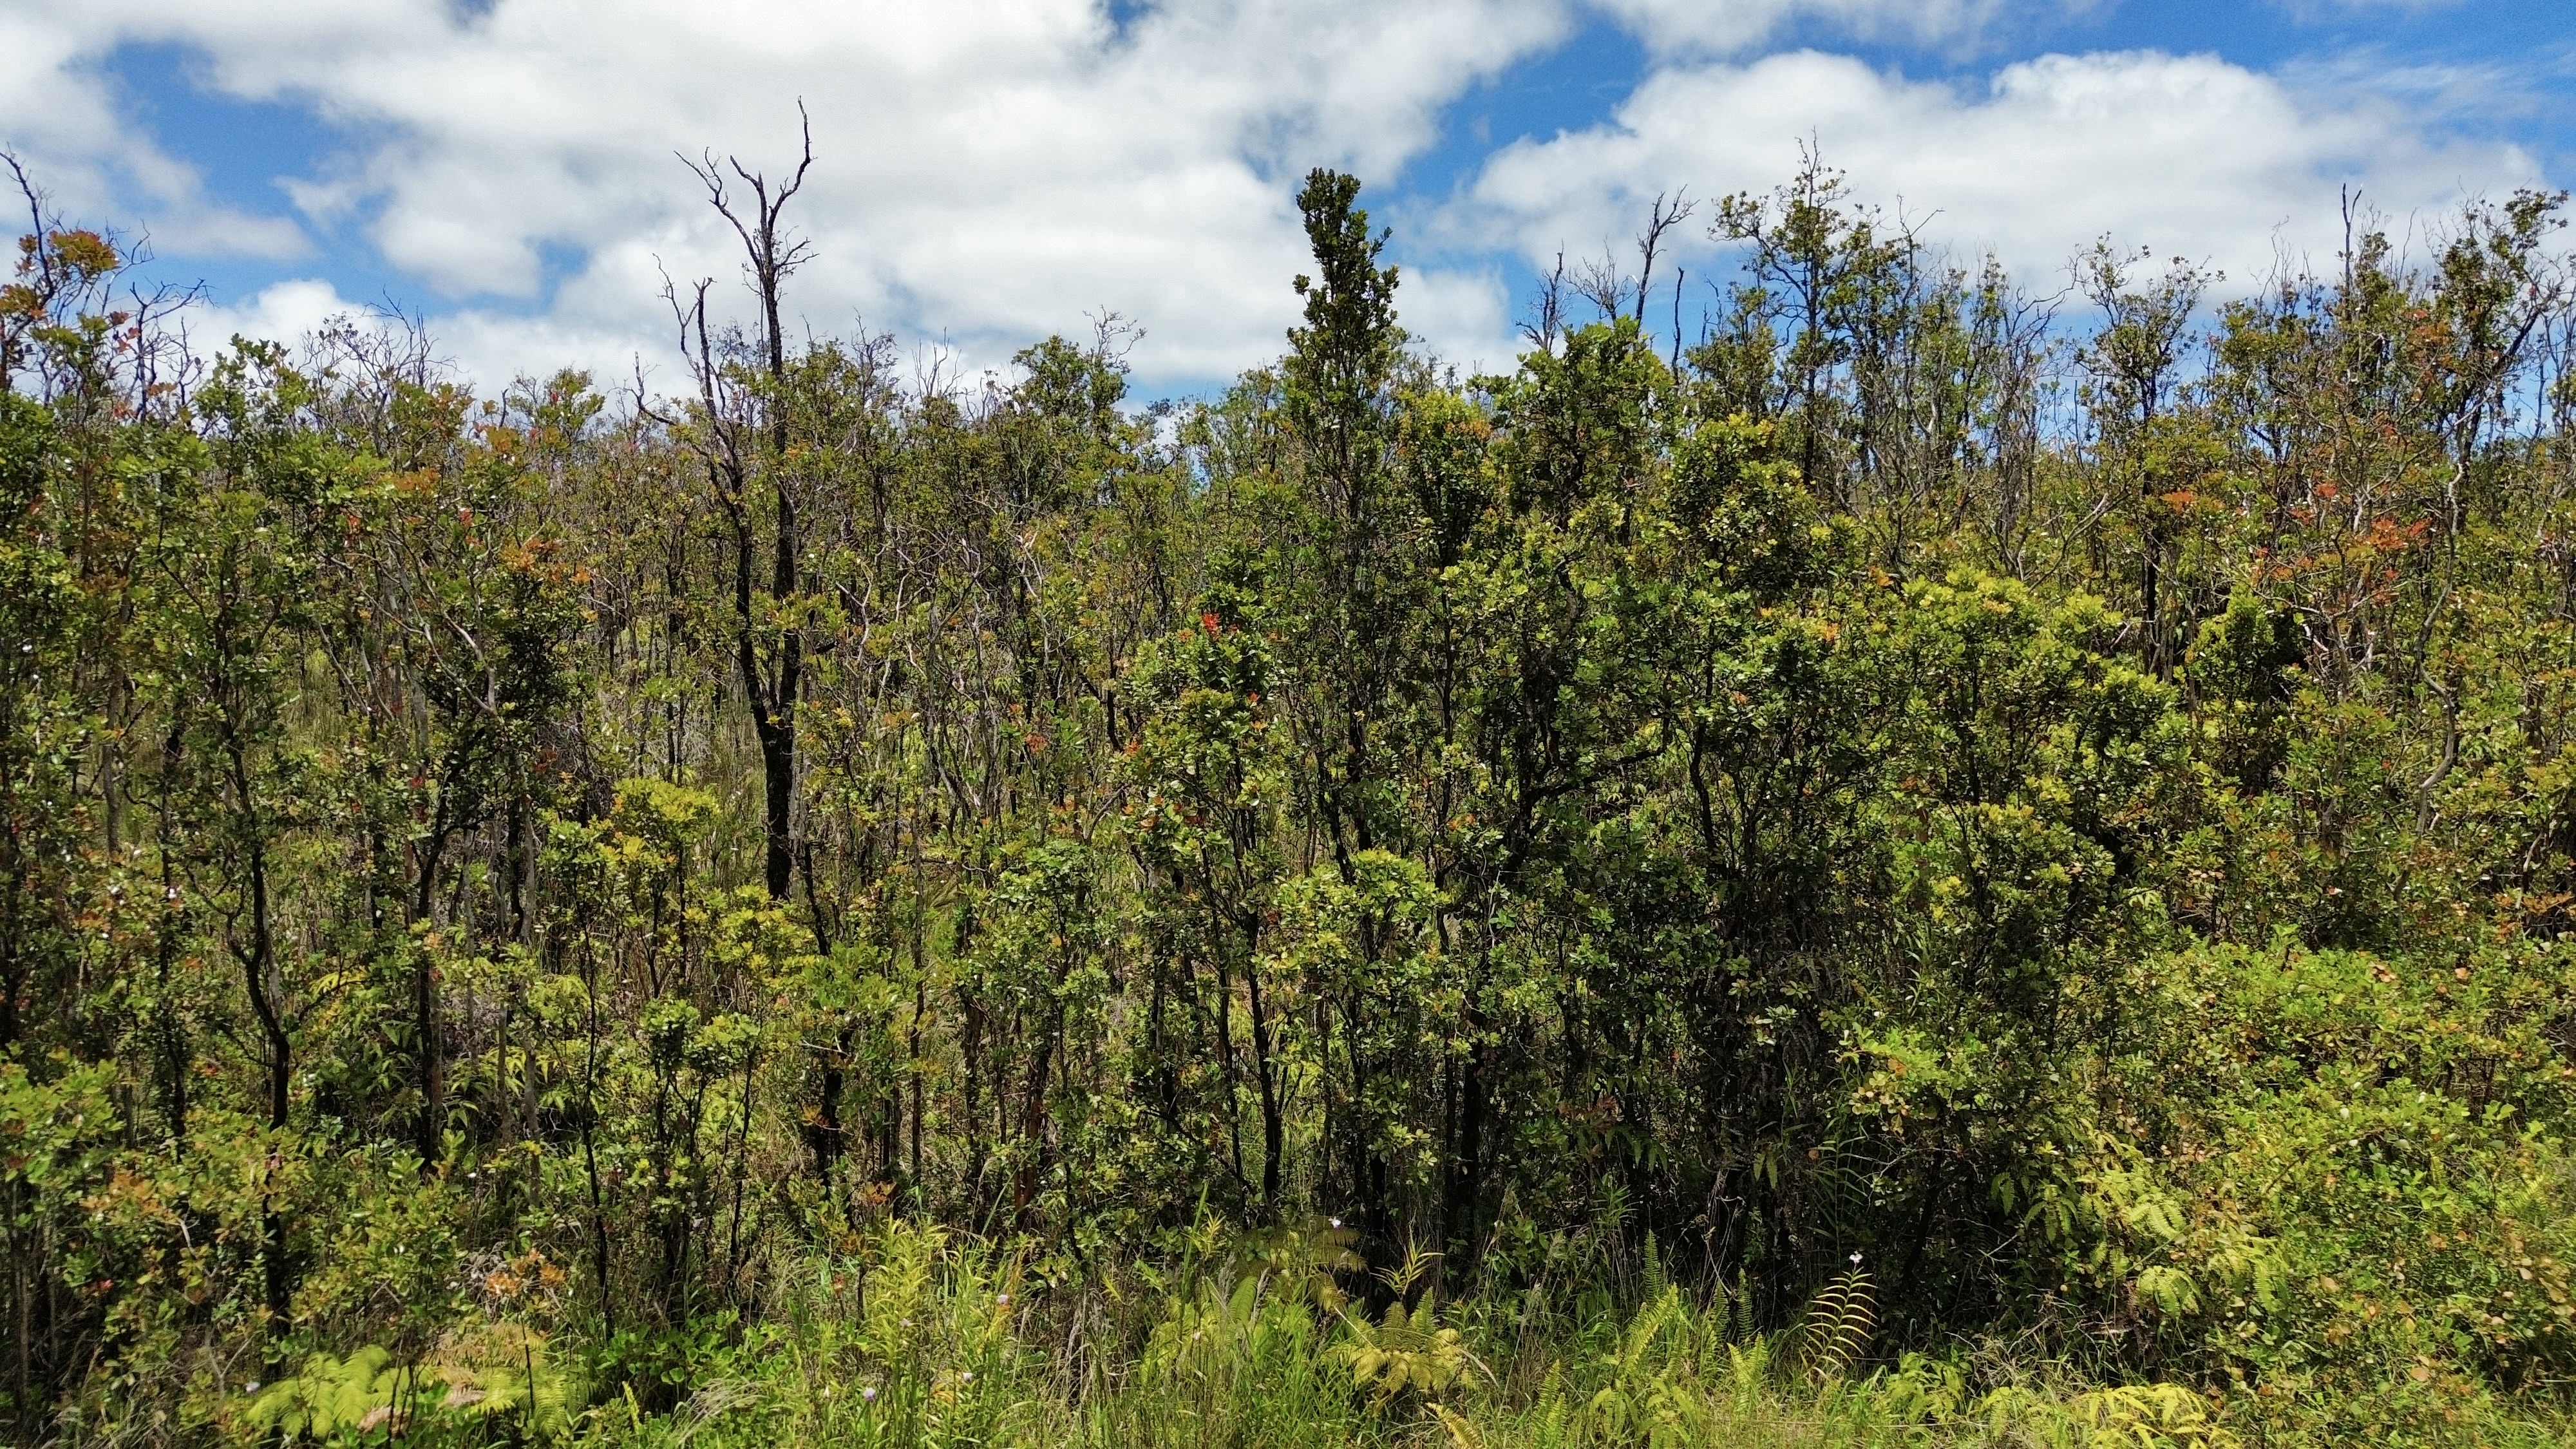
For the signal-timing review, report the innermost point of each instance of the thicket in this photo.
(1926, 864)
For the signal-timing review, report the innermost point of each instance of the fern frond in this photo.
(1834, 1334)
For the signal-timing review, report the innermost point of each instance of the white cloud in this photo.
(1463, 317)
(992, 168)
(281, 311)
(490, 346)
(2188, 154)
(1726, 27)
(60, 119)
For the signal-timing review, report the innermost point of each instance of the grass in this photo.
(918, 1339)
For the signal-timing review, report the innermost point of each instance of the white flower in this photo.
(1337, 1222)
(1855, 1260)
(869, 1393)
(967, 1377)
(1003, 1299)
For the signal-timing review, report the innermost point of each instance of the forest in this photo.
(1947, 858)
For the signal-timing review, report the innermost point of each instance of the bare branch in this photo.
(1663, 216)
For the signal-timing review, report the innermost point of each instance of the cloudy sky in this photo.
(990, 171)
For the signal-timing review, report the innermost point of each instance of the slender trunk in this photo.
(1466, 1177)
(1225, 1064)
(431, 1129)
(1033, 1125)
(590, 1154)
(740, 1172)
(912, 1048)
(429, 1132)
(258, 964)
(2150, 588)
(1273, 1130)
(824, 1137)
(972, 1049)
(773, 723)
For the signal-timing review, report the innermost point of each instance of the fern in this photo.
(332, 1397)
(1738, 1311)
(505, 1373)
(1303, 1261)
(1411, 1273)
(1459, 1433)
(1649, 1394)
(1835, 1331)
(1406, 1350)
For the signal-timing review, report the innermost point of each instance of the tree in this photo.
(741, 430)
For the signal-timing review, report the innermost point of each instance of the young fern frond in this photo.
(1417, 1266)
(1835, 1332)
(1655, 1280)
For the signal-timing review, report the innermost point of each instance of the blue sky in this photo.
(992, 170)
(2531, 42)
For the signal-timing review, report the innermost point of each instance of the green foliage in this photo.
(1833, 1335)
(331, 1399)
(1406, 1352)
(1372, 908)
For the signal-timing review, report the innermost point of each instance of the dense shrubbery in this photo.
(1919, 870)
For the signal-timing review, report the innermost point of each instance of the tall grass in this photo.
(913, 1337)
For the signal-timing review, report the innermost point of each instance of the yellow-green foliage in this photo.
(1808, 885)
(332, 1398)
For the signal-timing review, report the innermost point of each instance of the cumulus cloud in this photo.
(1463, 316)
(2190, 155)
(1725, 27)
(60, 119)
(278, 311)
(993, 170)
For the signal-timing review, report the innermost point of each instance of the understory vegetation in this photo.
(1925, 864)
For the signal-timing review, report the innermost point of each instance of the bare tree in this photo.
(769, 643)
(1547, 312)
(1663, 216)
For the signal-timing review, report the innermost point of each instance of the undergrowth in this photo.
(915, 1337)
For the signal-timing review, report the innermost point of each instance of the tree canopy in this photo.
(1965, 817)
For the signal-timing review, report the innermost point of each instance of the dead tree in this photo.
(746, 453)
